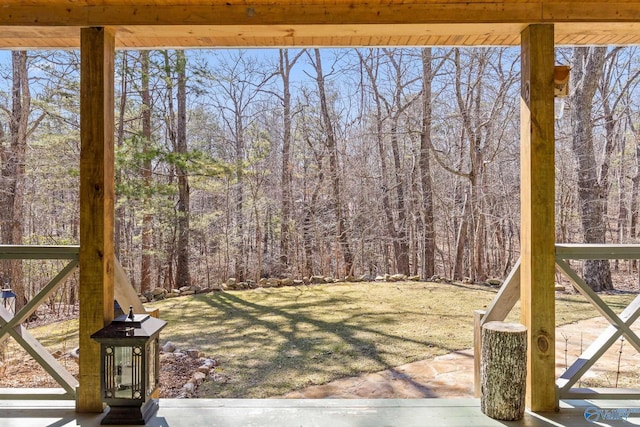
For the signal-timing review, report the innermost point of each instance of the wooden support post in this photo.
(537, 239)
(96, 205)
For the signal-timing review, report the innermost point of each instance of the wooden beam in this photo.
(312, 12)
(39, 252)
(289, 23)
(96, 205)
(47, 13)
(596, 251)
(124, 292)
(590, 11)
(506, 299)
(537, 239)
(174, 12)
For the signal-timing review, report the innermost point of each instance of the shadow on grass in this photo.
(268, 351)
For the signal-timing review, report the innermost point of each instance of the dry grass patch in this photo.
(273, 341)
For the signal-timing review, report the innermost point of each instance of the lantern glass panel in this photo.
(128, 371)
(124, 372)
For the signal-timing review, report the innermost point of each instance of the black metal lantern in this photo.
(129, 348)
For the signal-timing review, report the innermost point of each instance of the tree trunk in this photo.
(120, 207)
(182, 267)
(13, 172)
(503, 370)
(635, 193)
(428, 226)
(285, 232)
(461, 241)
(371, 69)
(310, 205)
(147, 216)
(402, 244)
(286, 159)
(334, 170)
(587, 67)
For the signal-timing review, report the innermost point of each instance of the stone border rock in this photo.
(206, 368)
(232, 284)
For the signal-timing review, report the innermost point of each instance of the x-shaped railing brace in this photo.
(620, 325)
(11, 325)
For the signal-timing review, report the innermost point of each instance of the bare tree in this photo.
(12, 162)
(284, 70)
(147, 216)
(587, 65)
(484, 114)
(334, 167)
(428, 223)
(183, 209)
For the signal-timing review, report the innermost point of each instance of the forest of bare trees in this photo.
(341, 162)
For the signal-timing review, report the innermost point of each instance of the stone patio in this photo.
(451, 375)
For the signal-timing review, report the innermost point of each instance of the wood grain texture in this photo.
(537, 163)
(503, 370)
(96, 206)
(289, 23)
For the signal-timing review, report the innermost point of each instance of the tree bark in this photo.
(371, 67)
(334, 170)
(503, 370)
(285, 198)
(587, 68)
(428, 226)
(13, 172)
(635, 192)
(285, 69)
(461, 240)
(182, 267)
(147, 216)
(119, 207)
(401, 245)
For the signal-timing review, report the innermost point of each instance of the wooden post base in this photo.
(503, 370)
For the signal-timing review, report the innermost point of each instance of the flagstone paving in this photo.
(451, 375)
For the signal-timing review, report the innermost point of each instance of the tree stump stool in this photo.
(503, 370)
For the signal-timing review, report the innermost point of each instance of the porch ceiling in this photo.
(277, 23)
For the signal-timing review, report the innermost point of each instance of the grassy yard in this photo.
(272, 341)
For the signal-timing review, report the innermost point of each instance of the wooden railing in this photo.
(11, 324)
(621, 324)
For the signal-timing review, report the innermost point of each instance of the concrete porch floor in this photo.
(314, 413)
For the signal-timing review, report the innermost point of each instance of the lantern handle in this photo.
(131, 316)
